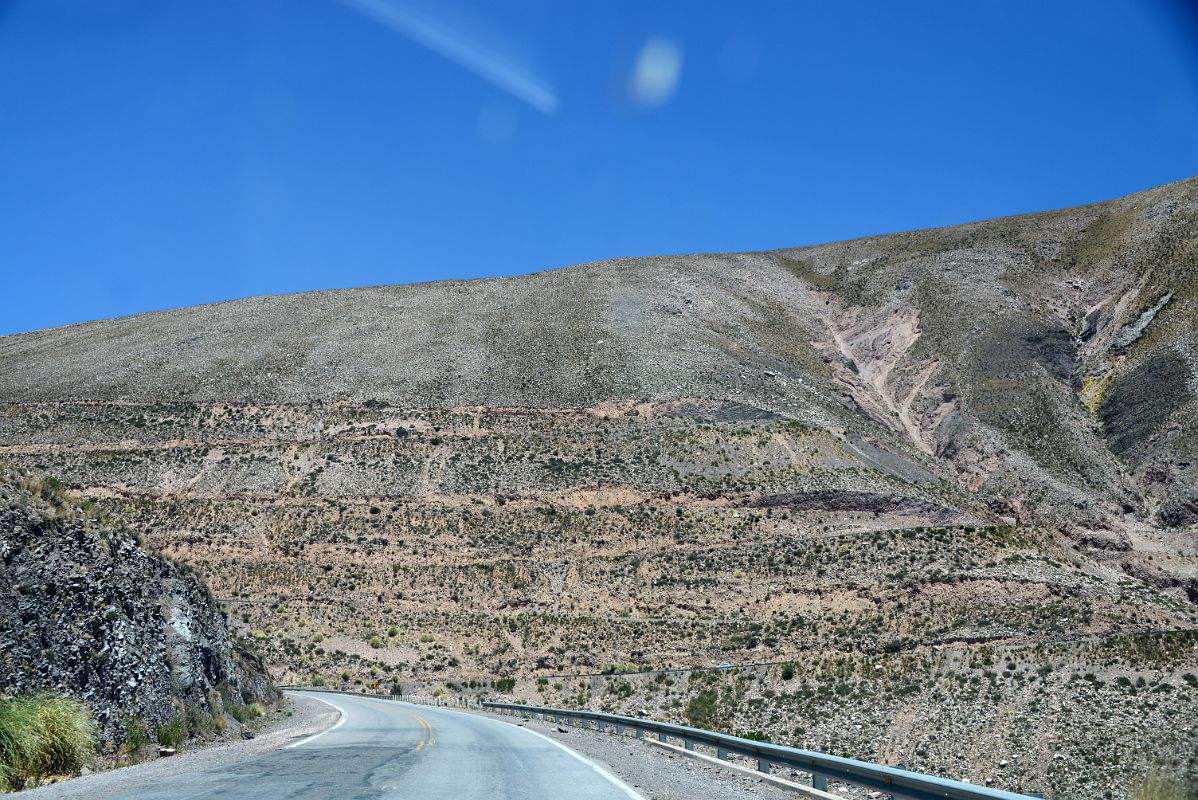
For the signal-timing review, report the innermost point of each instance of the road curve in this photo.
(383, 749)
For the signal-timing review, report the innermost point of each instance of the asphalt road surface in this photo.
(383, 749)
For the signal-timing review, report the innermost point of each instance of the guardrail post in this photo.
(619, 729)
(819, 782)
(721, 753)
(763, 766)
(640, 734)
(688, 744)
(661, 737)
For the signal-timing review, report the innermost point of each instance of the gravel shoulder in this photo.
(308, 717)
(656, 774)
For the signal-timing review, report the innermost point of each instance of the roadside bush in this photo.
(66, 733)
(136, 737)
(171, 733)
(41, 736)
(701, 710)
(18, 742)
(245, 712)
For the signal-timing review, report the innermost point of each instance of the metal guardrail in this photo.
(821, 766)
(417, 699)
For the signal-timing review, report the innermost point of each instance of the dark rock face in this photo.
(85, 610)
(1141, 404)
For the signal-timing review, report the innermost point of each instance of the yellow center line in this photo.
(426, 730)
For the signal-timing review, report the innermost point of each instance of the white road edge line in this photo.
(625, 788)
(619, 784)
(340, 722)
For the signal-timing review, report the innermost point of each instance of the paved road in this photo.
(382, 749)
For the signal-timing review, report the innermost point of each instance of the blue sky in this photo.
(156, 154)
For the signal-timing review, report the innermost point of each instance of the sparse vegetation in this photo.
(1160, 785)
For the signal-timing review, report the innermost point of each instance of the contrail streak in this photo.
(468, 55)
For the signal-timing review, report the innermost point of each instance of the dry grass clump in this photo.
(1160, 786)
(42, 736)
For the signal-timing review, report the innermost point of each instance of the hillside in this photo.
(923, 454)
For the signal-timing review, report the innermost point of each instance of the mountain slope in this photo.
(1048, 360)
(939, 448)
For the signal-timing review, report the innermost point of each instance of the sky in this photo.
(157, 154)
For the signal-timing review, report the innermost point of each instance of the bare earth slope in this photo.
(1054, 349)
(900, 462)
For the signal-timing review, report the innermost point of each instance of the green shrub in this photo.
(171, 733)
(41, 736)
(701, 710)
(136, 737)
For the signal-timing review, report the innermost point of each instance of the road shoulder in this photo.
(656, 774)
(309, 717)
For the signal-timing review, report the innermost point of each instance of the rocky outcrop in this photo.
(84, 609)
